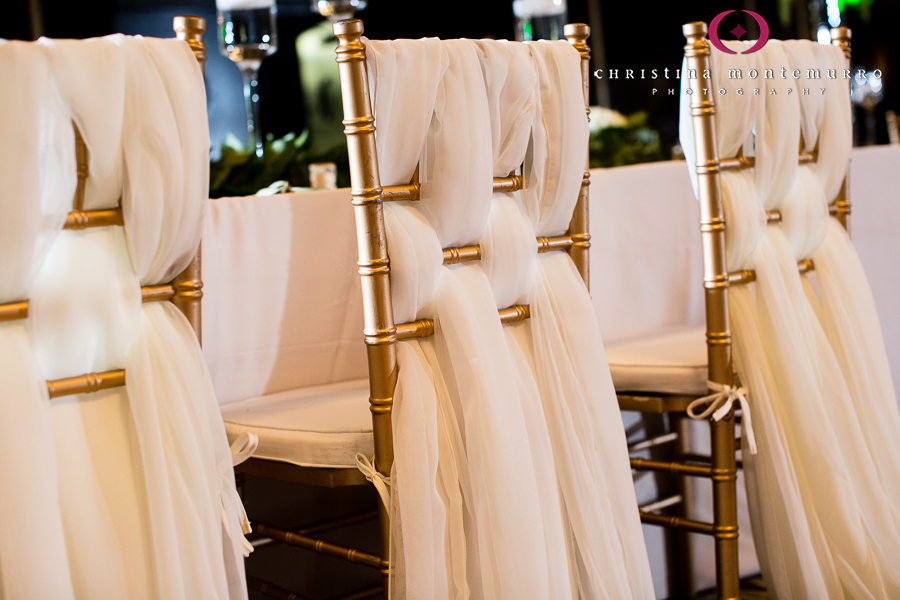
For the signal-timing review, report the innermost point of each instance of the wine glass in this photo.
(248, 34)
(539, 19)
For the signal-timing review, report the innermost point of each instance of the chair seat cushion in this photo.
(672, 361)
(320, 426)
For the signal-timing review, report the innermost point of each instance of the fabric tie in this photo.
(720, 403)
(382, 483)
(243, 447)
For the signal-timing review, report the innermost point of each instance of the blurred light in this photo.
(229, 32)
(874, 82)
(265, 38)
(833, 9)
(866, 90)
(823, 34)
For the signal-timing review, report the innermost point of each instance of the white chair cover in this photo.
(822, 521)
(146, 496)
(470, 412)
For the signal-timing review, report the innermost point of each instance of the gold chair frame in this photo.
(368, 195)
(185, 291)
(721, 467)
(380, 332)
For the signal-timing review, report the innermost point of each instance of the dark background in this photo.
(636, 35)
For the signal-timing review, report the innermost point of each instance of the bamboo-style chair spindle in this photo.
(579, 227)
(718, 335)
(374, 266)
(840, 207)
(184, 291)
(188, 285)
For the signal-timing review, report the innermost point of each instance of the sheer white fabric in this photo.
(512, 525)
(495, 490)
(37, 181)
(418, 539)
(844, 301)
(824, 524)
(146, 505)
(607, 547)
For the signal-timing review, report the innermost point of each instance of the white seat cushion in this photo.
(320, 426)
(672, 361)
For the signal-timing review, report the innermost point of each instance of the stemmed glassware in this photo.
(539, 19)
(248, 34)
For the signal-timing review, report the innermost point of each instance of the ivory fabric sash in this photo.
(822, 522)
(489, 490)
(37, 182)
(146, 505)
(474, 390)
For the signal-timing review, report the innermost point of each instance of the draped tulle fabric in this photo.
(139, 498)
(488, 488)
(417, 554)
(608, 555)
(37, 181)
(512, 525)
(824, 521)
(508, 255)
(844, 301)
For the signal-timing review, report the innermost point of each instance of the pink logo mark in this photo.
(738, 32)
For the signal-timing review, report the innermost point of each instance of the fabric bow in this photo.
(382, 483)
(719, 405)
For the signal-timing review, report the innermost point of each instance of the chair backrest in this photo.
(183, 290)
(699, 83)
(709, 164)
(368, 198)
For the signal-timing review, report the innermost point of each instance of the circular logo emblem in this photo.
(738, 32)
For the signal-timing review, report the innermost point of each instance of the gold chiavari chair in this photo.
(184, 291)
(380, 331)
(677, 354)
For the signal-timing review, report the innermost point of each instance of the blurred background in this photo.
(298, 96)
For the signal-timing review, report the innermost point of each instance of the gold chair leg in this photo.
(680, 557)
(384, 522)
(725, 508)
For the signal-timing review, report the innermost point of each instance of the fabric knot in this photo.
(243, 447)
(719, 405)
(381, 482)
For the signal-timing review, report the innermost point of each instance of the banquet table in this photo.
(282, 304)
